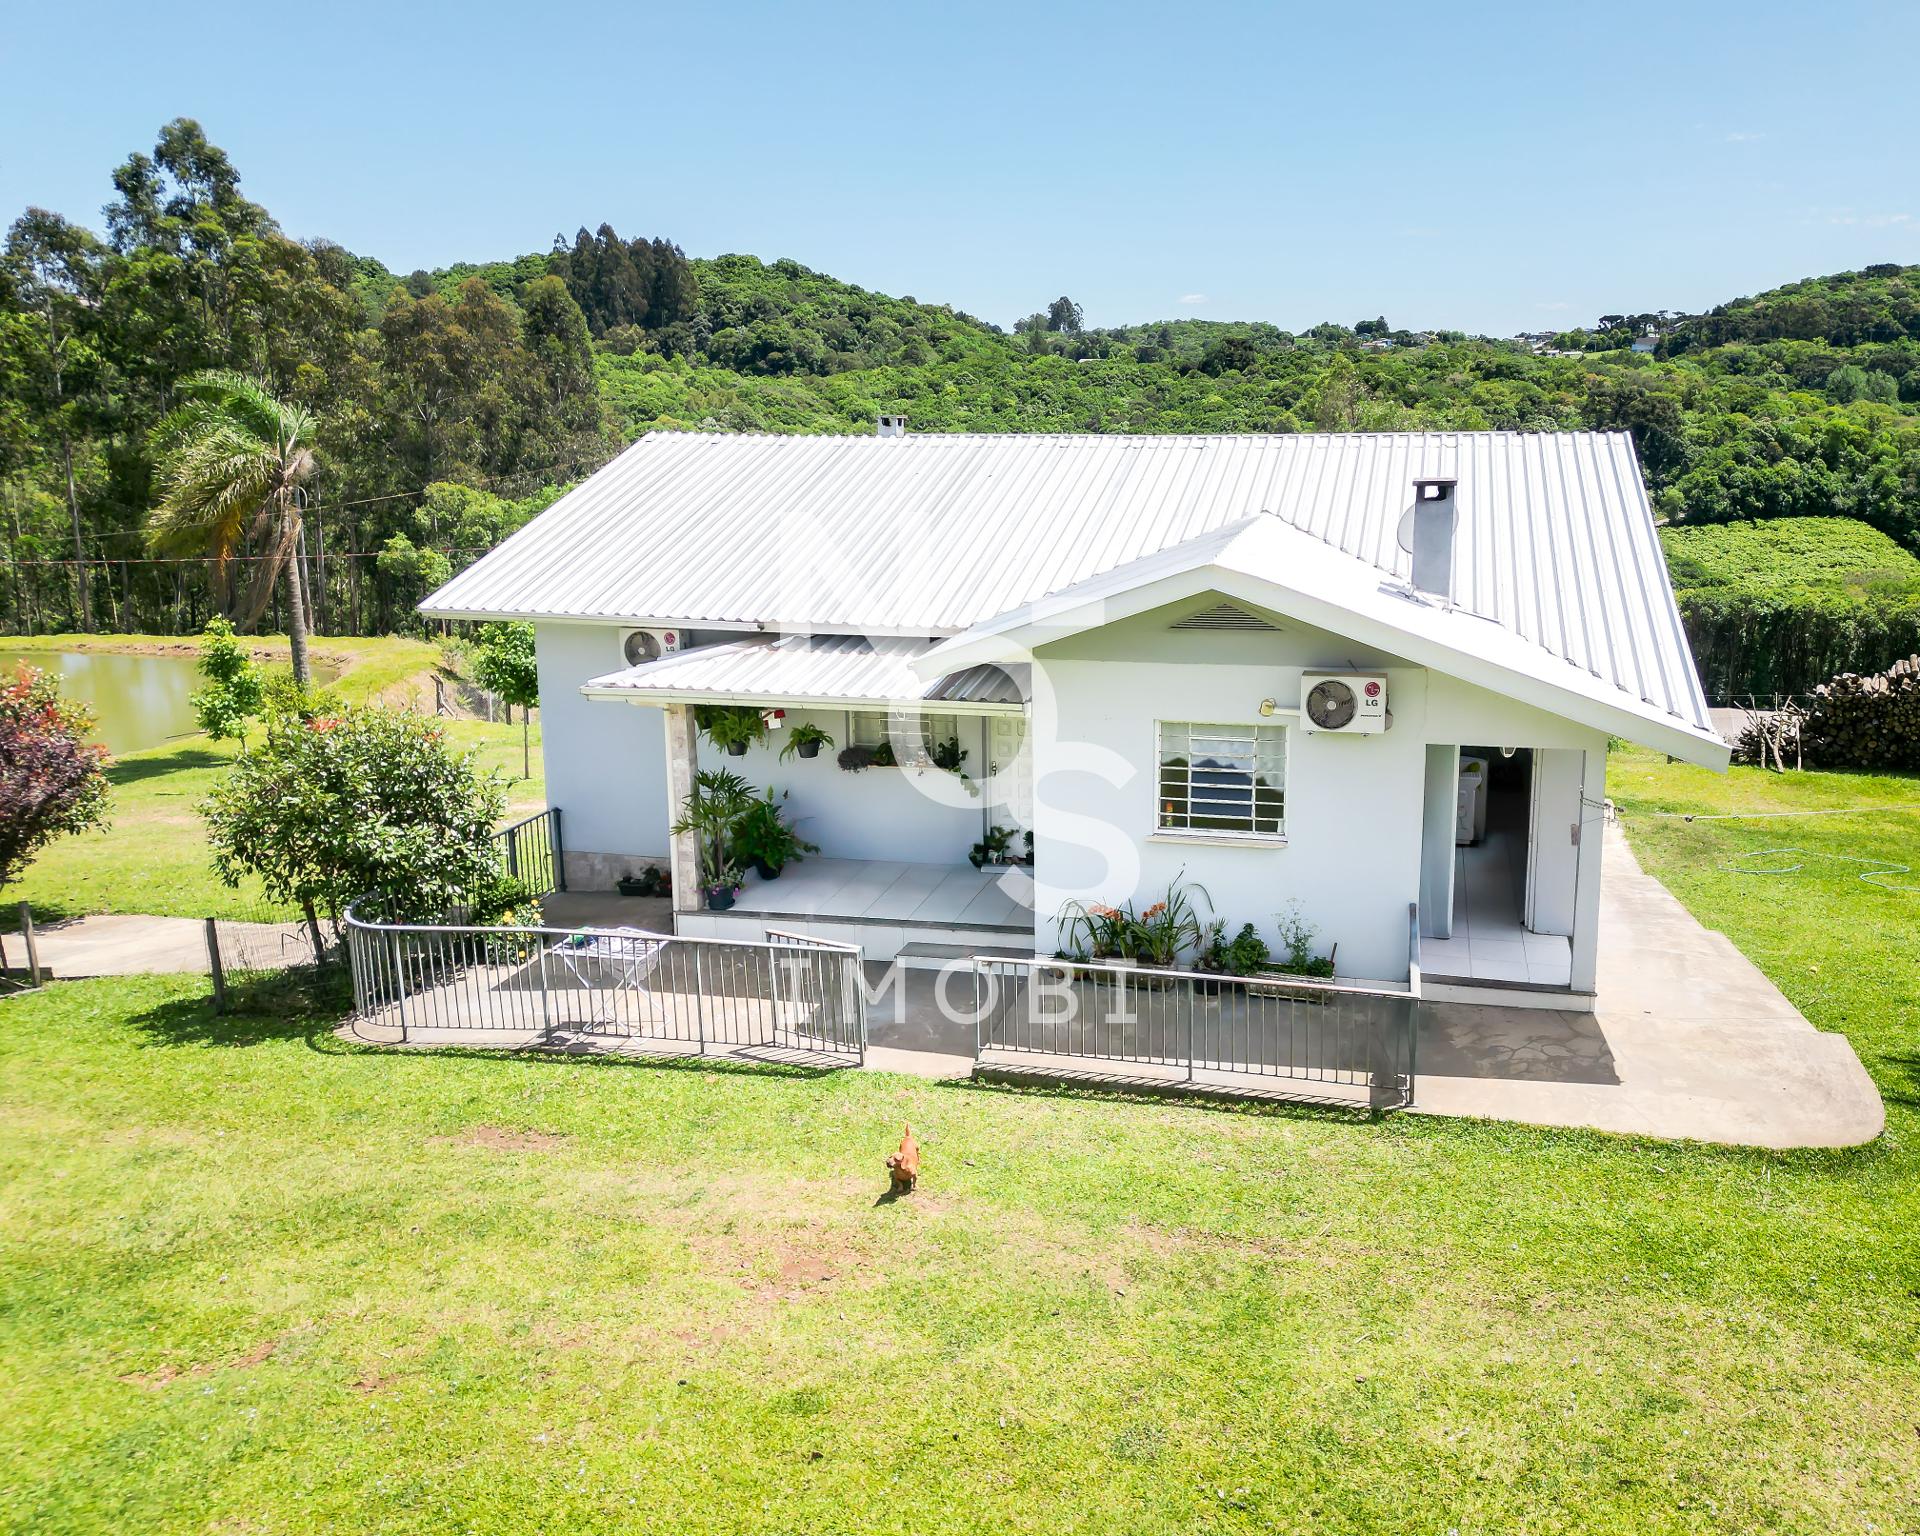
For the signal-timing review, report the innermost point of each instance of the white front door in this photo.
(1010, 773)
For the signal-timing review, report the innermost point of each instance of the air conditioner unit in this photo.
(1354, 703)
(640, 646)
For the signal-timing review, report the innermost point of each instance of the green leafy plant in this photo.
(1245, 954)
(1296, 946)
(994, 848)
(731, 729)
(712, 808)
(764, 837)
(856, 758)
(1095, 931)
(235, 691)
(805, 741)
(1171, 925)
(355, 802)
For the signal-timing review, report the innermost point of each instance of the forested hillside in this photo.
(455, 403)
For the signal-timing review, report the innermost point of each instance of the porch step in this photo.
(925, 956)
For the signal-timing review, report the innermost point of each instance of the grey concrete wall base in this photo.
(589, 871)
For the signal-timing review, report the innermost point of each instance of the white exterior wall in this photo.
(606, 763)
(1355, 804)
(879, 813)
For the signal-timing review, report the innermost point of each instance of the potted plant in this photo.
(763, 837)
(1100, 934)
(631, 884)
(855, 758)
(713, 806)
(993, 848)
(1169, 926)
(721, 891)
(1245, 954)
(732, 730)
(806, 741)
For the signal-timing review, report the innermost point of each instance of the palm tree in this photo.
(232, 460)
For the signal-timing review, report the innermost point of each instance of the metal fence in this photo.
(267, 937)
(530, 851)
(608, 988)
(1288, 1035)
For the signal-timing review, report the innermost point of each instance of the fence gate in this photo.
(822, 997)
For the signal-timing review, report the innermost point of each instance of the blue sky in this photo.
(1492, 168)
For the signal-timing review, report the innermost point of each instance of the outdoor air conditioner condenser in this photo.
(640, 646)
(1351, 703)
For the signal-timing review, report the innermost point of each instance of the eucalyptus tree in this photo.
(232, 462)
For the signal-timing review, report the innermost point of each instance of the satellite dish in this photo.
(641, 647)
(1331, 705)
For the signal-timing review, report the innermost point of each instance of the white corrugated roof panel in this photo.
(837, 670)
(931, 534)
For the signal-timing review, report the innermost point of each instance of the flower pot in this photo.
(630, 886)
(720, 898)
(808, 749)
(767, 871)
(736, 749)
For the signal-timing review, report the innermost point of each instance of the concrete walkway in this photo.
(126, 945)
(1688, 1041)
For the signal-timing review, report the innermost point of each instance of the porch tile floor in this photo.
(1489, 941)
(880, 891)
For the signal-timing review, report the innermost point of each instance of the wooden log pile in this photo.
(1866, 722)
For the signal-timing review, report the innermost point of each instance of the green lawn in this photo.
(1846, 951)
(252, 1279)
(153, 858)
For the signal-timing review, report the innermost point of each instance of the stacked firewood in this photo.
(1866, 722)
(1771, 738)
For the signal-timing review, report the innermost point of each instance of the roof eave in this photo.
(1014, 637)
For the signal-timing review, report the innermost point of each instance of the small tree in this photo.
(354, 802)
(51, 781)
(504, 664)
(235, 691)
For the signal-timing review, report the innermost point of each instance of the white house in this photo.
(1332, 674)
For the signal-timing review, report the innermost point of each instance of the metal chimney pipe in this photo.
(1435, 514)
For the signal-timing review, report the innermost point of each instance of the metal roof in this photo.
(931, 534)
(836, 670)
(1270, 564)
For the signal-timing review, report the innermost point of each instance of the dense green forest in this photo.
(454, 404)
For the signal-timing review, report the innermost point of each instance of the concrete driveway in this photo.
(1688, 1040)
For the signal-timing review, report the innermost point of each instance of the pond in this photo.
(139, 701)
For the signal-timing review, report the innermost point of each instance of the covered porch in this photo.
(881, 905)
(944, 775)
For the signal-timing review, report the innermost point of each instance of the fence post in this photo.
(213, 966)
(546, 1015)
(700, 997)
(559, 851)
(33, 948)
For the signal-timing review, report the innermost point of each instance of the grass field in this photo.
(252, 1279)
(153, 858)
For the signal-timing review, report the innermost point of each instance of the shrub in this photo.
(357, 801)
(235, 691)
(51, 783)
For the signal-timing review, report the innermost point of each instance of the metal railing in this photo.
(441, 983)
(530, 851)
(1295, 1035)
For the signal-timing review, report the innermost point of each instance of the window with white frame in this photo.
(1223, 778)
(901, 727)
